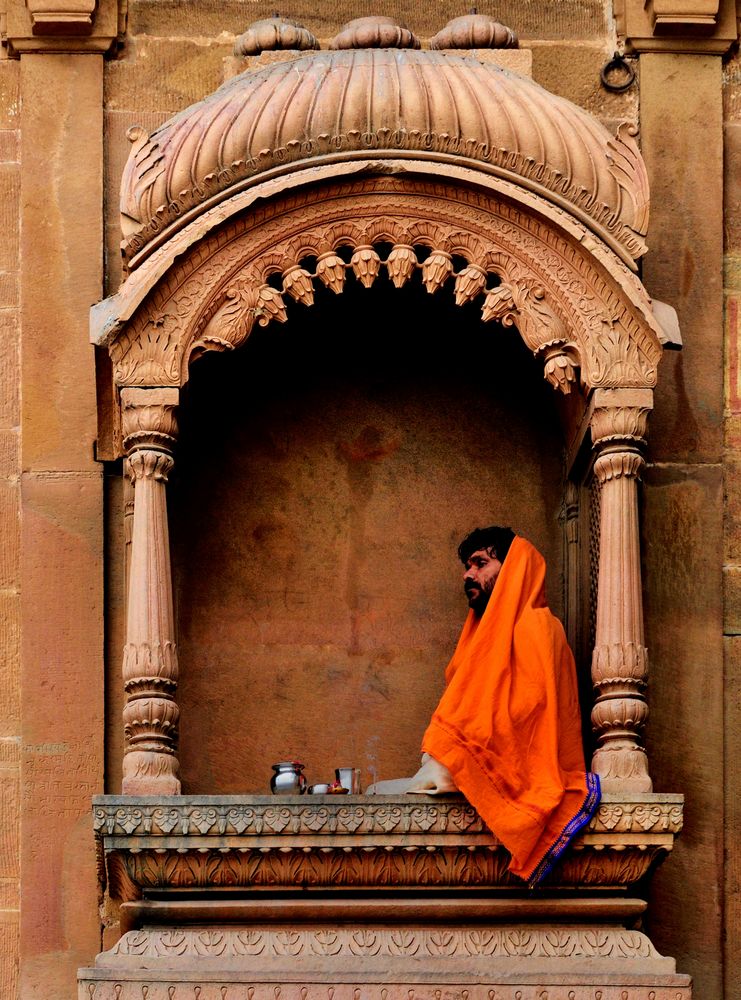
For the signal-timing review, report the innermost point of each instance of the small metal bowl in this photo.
(321, 789)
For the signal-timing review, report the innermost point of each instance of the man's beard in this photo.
(477, 599)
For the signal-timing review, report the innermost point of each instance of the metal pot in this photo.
(288, 779)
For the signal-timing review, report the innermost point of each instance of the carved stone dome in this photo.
(384, 103)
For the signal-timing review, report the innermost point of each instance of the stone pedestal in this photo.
(372, 898)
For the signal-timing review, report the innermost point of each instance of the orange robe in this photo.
(508, 726)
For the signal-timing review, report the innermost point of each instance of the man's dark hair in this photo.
(495, 538)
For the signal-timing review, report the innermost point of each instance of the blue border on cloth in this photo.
(591, 801)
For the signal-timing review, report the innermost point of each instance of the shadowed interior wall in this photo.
(325, 475)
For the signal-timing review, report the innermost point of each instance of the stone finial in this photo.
(374, 33)
(274, 33)
(474, 31)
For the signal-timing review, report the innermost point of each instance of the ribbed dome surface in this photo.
(385, 102)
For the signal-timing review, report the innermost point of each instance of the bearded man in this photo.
(507, 730)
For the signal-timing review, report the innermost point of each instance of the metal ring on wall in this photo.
(617, 62)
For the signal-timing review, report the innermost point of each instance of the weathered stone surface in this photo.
(209, 18)
(732, 187)
(684, 266)
(9, 368)
(62, 724)
(10, 526)
(62, 258)
(61, 580)
(168, 74)
(732, 818)
(573, 72)
(9, 195)
(682, 539)
(9, 94)
(10, 714)
(8, 953)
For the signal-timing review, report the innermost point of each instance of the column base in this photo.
(149, 773)
(622, 770)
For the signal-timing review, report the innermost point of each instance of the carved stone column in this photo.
(619, 662)
(150, 666)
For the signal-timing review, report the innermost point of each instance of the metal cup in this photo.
(349, 778)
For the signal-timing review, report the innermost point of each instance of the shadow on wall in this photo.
(326, 474)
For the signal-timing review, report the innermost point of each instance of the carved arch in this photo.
(588, 324)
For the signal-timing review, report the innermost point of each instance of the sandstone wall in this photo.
(10, 701)
(175, 53)
(732, 534)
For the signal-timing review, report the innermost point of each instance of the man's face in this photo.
(482, 570)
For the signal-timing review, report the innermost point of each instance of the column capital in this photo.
(149, 419)
(620, 417)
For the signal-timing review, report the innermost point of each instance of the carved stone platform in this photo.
(371, 898)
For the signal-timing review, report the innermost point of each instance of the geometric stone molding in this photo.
(708, 27)
(100, 984)
(61, 26)
(262, 816)
(313, 111)
(589, 329)
(553, 944)
(252, 842)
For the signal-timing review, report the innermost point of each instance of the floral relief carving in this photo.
(563, 306)
(368, 942)
(131, 873)
(366, 819)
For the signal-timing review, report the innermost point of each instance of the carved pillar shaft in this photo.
(150, 667)
(619, 661)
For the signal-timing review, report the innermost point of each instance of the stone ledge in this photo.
(244, 843)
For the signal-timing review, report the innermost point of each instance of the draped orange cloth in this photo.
(508, 726)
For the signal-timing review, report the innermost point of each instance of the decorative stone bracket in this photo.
(706, 26)
(62, 25)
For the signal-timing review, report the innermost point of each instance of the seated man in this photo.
(507, 730)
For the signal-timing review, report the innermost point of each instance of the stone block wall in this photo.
(10, 707)
(175, 53)
(732, 534)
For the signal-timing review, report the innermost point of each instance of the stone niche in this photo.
(329, 431)
(316, 581)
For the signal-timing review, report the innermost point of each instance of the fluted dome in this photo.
(382, 103)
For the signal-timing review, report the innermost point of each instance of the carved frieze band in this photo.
(565, 308)
(94, 987)
(370, 867)
(380, 942)
(366, 819)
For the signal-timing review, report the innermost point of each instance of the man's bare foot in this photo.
(433, 778)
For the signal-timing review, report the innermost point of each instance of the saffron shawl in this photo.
(508, 725)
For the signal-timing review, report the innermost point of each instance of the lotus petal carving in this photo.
(474, 31)
(374, 33)
(273, 33)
